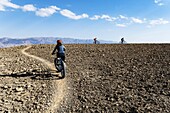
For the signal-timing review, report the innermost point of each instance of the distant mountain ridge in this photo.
(8, 42)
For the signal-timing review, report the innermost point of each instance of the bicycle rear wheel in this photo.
(63, 71)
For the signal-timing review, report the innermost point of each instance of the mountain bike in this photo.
(124, 42)
(60, 66)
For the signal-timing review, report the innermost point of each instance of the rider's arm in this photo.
(54, 50)
(64, 48)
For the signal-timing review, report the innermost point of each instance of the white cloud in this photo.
(105, 17)
(123, 21)
(95, 17)
(136, 20)
(121, 25)
(2, 8)
(7, 3)
(71, 15)
(85, 15)
(159, 2)
(123, 17)
(158, 22)
(108, 18)
(45, 12)
(29, 7)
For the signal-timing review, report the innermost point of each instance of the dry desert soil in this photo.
(104, 78)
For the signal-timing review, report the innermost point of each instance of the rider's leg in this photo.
(55, 62)
(63, 58)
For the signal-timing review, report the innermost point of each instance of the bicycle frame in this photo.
(60, 66)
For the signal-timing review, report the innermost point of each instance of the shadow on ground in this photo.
(36, 76)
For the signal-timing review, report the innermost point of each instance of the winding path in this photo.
(59, 85)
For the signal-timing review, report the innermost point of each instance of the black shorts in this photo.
(61, 55)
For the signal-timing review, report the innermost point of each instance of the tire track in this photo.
(59, 85)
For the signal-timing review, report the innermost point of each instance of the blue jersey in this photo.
(60, 49)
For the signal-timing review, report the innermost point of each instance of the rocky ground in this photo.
(20, 90)
(117, 78)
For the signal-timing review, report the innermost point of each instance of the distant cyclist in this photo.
(96, 41)
(122, 40)
(60, 50)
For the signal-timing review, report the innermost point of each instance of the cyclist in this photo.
(95, 40)
(60, 50)
(122, 40)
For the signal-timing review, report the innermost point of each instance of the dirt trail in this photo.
(60, 85)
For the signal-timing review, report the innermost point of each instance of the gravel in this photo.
(128, 78)
(22, 88)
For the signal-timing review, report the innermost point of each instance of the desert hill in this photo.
(9, 42)
(100, 78)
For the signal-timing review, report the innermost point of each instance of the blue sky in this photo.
(138, 21)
